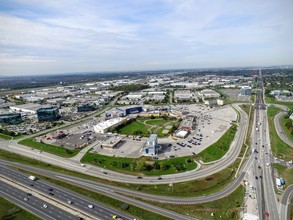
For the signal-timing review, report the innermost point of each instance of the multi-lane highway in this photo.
(267, 202)
(33, 204)
(60, 195)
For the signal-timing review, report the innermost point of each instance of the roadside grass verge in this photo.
(219, 149)
(204, 186)
(100, 198)
(10, 211)
(200, 187)
(285, 172)
(248, 108)
(53, 149)
(5, 137)
(283, 121)
(279, 148)
(270, 100)
(142, 165)
(225, 208)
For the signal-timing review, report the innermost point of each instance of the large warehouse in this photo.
(104, 126)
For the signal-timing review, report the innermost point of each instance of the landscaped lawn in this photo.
(146, 126)
(143, 165)
(220, 148)
(279, 148)
(285, 172)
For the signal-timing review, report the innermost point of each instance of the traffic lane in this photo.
(97, 185)
(156, 209)
(33, 203)
(64, 195)
(285, 202)
(77, 200)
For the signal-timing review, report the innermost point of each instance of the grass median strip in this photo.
(204, 186)
(217, 150)
(53, 149)
(279, 148)
(142, 165)
(225, 208)
(9, 211)
(112, 202)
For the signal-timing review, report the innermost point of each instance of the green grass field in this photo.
(146, 126)
(53, 149)
(225, 208)
(272, 101)
(220, 148)
(287, 132)
(5, 137)
(285, 172)
(141, 166)
(279, 148)
(10, 211)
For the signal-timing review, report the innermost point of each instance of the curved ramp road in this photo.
(286, 204)
(279, 128)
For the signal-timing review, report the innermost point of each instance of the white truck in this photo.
(33, 178)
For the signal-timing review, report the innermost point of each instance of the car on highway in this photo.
(160, 178)
(139, 177)
(90, 206)
(45, 206)
(25, 199)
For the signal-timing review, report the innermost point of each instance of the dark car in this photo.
(139, 177)
(160, 178)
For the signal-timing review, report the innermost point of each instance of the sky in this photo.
(61, 36)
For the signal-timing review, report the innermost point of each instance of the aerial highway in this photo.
(33, 204)
(80, 202)
(267, 202)
(62, 195)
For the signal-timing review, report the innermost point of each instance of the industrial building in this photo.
(130, 110)
(245, 90)
(85, 107)
(112, 142)
(151, 145)
(48, 114)
(183, 96)
(208, 93)
(104, 126)
(26, 109)
(10, 118)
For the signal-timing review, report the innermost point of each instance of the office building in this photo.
(245, 90)
(10, 118)
(152, 144)
(48, 114)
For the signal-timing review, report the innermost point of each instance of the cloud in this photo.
(94, 35)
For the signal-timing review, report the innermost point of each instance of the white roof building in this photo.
(104, 126)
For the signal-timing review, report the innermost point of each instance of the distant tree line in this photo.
(130, 87)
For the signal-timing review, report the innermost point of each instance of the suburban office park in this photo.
(188, 146)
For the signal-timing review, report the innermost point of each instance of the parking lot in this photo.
(234, 95)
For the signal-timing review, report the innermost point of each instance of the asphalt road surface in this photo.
(33, 204)
(77, 201)
(285, 203)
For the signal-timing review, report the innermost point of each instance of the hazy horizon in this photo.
(58, 37)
